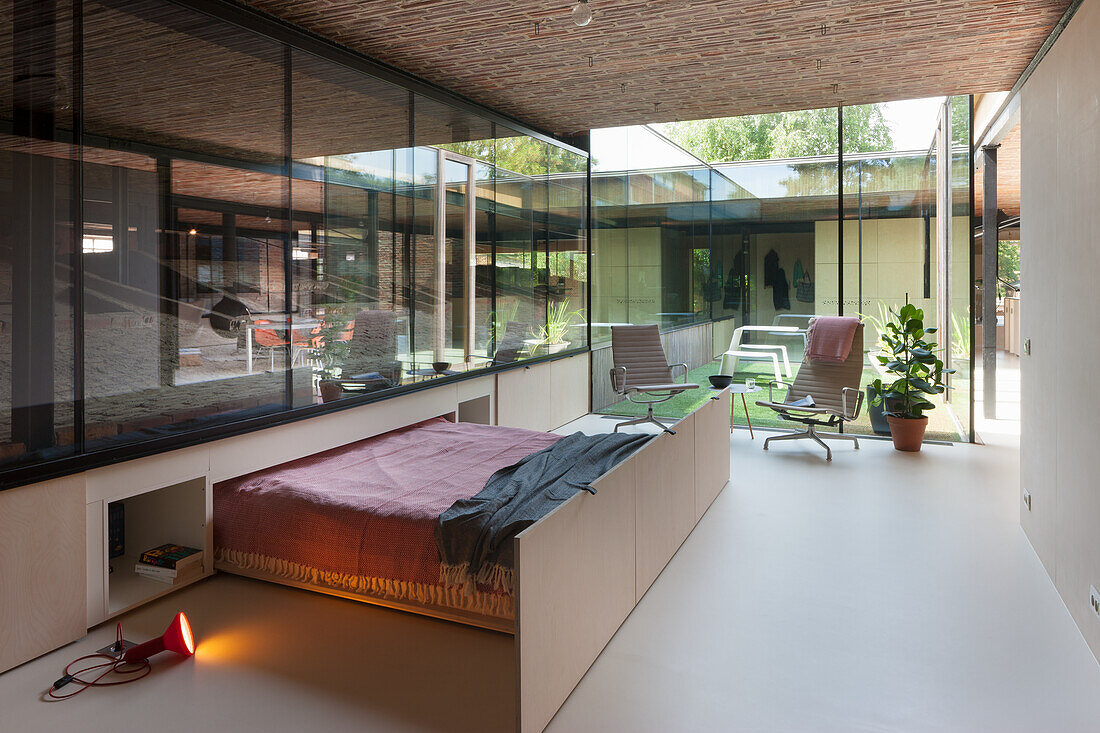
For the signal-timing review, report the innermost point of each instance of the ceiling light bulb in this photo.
(581, 13)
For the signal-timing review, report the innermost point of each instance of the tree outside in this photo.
(782, 134)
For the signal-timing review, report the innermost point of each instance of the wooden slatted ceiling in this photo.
(696, 58)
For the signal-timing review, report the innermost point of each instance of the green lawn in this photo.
(940, 424)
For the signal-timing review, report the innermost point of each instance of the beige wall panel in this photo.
(666, 500)
(576, 586)
(523, 398)
(1060, 159)
(712, 451)
(43, 564)
(901, 240)
(570, 384)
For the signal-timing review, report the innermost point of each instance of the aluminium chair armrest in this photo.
(673, 366)
(776, 383)
(617, 386)
(844, 402)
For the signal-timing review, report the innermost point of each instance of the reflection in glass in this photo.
(263, 232)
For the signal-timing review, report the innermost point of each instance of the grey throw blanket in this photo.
(475, 535)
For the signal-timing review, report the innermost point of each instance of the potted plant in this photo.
(915, 373)
(329, 353)
(559, 319)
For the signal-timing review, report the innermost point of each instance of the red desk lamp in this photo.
(177, 638)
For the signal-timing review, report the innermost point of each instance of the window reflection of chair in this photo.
(303, 345)
(268, 338)
(739, 350)
(509, 346)
(372, 362)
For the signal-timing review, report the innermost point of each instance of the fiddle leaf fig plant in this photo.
(910, 360)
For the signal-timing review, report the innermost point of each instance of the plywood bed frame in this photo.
(582, 568)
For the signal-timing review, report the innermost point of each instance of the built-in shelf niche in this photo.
(476, 410)
(175, 513)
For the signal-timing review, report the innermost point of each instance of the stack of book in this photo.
(170, 564)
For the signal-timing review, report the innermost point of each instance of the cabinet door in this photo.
(42, 568)
(523, 398)
(570, 382)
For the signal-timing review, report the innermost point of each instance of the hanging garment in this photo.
(780, 291)
(803, 284)
(771, 266)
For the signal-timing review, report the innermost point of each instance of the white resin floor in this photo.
(882, 592)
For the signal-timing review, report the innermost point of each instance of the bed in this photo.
(365, 532)
(360, 519)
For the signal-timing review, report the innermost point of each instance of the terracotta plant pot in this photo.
(908, 433)
(330, 391)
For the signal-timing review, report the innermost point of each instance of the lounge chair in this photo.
(836, 393)
(372, 363)
(642, 371)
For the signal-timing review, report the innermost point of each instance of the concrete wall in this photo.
(626, 268)
(1060, 125)
(893, 265)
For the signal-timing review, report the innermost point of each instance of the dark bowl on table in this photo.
(441, 366)
(720, 381)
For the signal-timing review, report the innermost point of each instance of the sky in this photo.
(912, 122)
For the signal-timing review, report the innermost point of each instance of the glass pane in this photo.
(958, 346)
(185, 243)
(353, 226)
(521, 244)
(38, 255)
(568, 266)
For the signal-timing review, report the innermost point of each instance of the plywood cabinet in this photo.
(523, 398)
(544, 396)
(42, 568)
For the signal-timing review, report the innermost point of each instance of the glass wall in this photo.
(742, 234)
(232, 228)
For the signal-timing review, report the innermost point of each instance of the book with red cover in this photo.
(171, 556)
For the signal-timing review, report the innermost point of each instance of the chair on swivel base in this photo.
(641, 371)
(829, 384)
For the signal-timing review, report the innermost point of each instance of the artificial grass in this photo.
(941, 426)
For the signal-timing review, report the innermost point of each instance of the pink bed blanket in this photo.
(369, 508)
(830, 338)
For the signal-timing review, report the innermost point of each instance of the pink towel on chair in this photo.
(830, 338)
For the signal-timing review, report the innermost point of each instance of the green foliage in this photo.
(330, 352)
(878, 320)
(520, 154)
(911, 359)
(783, 134)
(558, 321)
(498, 320)
(960, 341)
(709, 284)
(960, 121)
(1008, 265)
